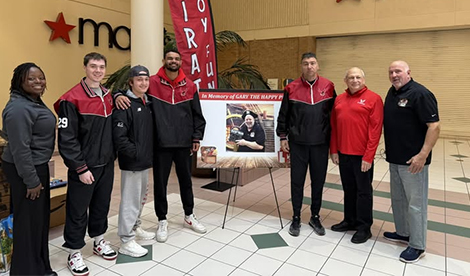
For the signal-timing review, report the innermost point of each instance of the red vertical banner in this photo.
(194, 33)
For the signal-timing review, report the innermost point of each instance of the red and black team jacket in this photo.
(85, 127)
(305, 111)
(177, 111)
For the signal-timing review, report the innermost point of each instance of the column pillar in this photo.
(147, 34)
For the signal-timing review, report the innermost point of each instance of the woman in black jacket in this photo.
(30, 129)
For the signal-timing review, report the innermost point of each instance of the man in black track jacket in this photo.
(303, 125)
(133, 138)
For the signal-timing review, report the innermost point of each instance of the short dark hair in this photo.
(20, 73)
(171, 50)
(95, 56)
(308, 55)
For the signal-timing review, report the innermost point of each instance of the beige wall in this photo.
(168, 23)
(262, 19)
(320, 18)
(354, 16)
(25, 38)
(436, 59)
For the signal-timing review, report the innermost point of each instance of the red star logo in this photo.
(59, 28)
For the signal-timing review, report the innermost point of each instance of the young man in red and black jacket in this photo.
(303, 125)
(179, 126)
(85, 144)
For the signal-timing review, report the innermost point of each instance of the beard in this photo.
(172, 68)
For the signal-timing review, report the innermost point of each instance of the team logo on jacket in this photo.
(139, 109)
(362, 102)
(183, 92)
(322, 93)
(120, 124)
(252, 134)
(402, 102)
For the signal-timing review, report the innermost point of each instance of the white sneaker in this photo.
(133, 249)
(162, 231)
(76, 265)
(191, 222)
(144, 235)
(104, 250)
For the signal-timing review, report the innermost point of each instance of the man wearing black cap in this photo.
(303, 125)
(253, 134)
(133, 139)
(179, 126)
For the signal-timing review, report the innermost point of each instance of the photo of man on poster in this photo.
(253, 134)
(250, 128)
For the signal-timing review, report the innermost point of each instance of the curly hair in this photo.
(20, 73)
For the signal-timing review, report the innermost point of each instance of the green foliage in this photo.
(240, 75)
(118, 79)
(169, 41)
(227, 38)
(6, 244)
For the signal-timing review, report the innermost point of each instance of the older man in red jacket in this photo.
(356, 126)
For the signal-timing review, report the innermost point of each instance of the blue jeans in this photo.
(409, 194)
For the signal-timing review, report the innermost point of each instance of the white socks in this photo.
(98, 239)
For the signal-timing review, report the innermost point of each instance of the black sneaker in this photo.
(343, 227)
(411, 255)
(361, 236)
(393, 236)
(294, 229)
(316, 225)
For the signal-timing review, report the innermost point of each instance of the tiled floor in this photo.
(253, 242)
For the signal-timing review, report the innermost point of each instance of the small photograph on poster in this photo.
(250, 128)
(241, 130)
(209, 154)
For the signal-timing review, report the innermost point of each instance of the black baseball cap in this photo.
(139, 70)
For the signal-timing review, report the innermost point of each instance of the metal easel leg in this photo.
(229, 194)
(275, 197)
(236, 183)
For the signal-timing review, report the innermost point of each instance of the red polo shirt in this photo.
(356, 124)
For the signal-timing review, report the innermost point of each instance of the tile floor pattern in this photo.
(253, 243)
